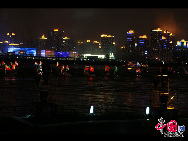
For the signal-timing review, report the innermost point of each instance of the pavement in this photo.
(12, 125)
(31, 128)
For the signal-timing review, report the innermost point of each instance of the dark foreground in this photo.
(119, 102)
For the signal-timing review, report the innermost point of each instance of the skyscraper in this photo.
(143, 45)
(42, 45)
(55, 40)
(162, 44)
(167, 45)
(107, 45)
(156, 43)
(10, 37)
(181, 50)
(130, 42)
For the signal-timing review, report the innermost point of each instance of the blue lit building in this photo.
(181, 50)
(182, 45)
(61, 54)
(23, 51)
(130, 39)
(143, 45)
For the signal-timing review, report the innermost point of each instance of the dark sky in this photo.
(90, 23)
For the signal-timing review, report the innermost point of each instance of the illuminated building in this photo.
(4, 47)
(66, 42)
(167, 45)
(129, 50)
(42, 45)
(67, 45)
(42, 53)
(88, 47)
(181, 50)
(10, 37)
(73, 55)
(55, 39)
(80, 47)
(90, 55)
(107, 45)
(23, 51)
(130, 42)
(7, 41)
(96, 48)
(156, 42)
(182, 45)
(61, 54)
(162, 44)
(49, 53)
(143, 45)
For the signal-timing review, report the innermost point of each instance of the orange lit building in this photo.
(107, 44)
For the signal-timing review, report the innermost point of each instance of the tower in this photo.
(55, 39)
(142, 45)
(130, 42)
(107, 45)
(156, 43)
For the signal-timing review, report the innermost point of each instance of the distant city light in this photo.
(91, 111)
(147, 110)
(27, 51)
(130, 32)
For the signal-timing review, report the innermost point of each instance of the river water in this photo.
(77, 93)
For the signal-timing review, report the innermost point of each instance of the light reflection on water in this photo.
(74, 93)
(77, 94)
(105, 94)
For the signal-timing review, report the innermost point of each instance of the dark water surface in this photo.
(76, 93)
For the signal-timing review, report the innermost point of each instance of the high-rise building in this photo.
(182, 45)
(55, 39)
(156, 43)
(66, 44)
(10, 37)
(167, 45)
(181, 50)
(89, 47)
(161, 44)
(130, 42)
(107, 44)
(143, 45)
(42, 45)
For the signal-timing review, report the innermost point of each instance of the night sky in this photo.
(90, 23)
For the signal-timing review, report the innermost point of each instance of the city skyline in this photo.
(89, 23)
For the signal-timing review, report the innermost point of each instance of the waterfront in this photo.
(125, 93)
